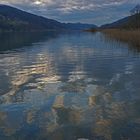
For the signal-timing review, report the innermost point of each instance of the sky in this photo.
(85, 11)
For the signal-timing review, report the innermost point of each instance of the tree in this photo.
(135, 10)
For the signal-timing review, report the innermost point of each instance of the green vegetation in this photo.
(132, 23)
(7, 24)
(126, 29)
(13, 19)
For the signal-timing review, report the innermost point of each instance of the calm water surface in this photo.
(68, 86)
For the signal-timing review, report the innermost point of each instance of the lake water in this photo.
(68, 86)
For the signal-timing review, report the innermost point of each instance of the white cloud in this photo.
(72, 9)
(37, 2)
(67, 5)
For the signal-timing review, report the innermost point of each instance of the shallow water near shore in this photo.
(68, 86)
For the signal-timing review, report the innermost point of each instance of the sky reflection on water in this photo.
(68, 86)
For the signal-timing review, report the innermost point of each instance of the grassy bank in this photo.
(130, 36)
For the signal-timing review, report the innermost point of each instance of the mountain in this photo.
(14, 19)
(79, 26)
(130, 22)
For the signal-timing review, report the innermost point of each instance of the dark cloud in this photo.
(88, 11)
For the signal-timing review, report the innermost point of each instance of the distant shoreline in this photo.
(131, 36)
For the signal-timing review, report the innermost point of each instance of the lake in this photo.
(68, 86)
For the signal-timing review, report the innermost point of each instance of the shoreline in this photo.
(130, 36)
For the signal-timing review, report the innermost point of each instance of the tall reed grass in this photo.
(130, 36)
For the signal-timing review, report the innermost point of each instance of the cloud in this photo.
(75, 10)
(66, 5)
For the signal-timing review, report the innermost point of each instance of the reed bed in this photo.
(130, 36)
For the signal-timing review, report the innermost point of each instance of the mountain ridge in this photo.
(15, 19)
(130, 22)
